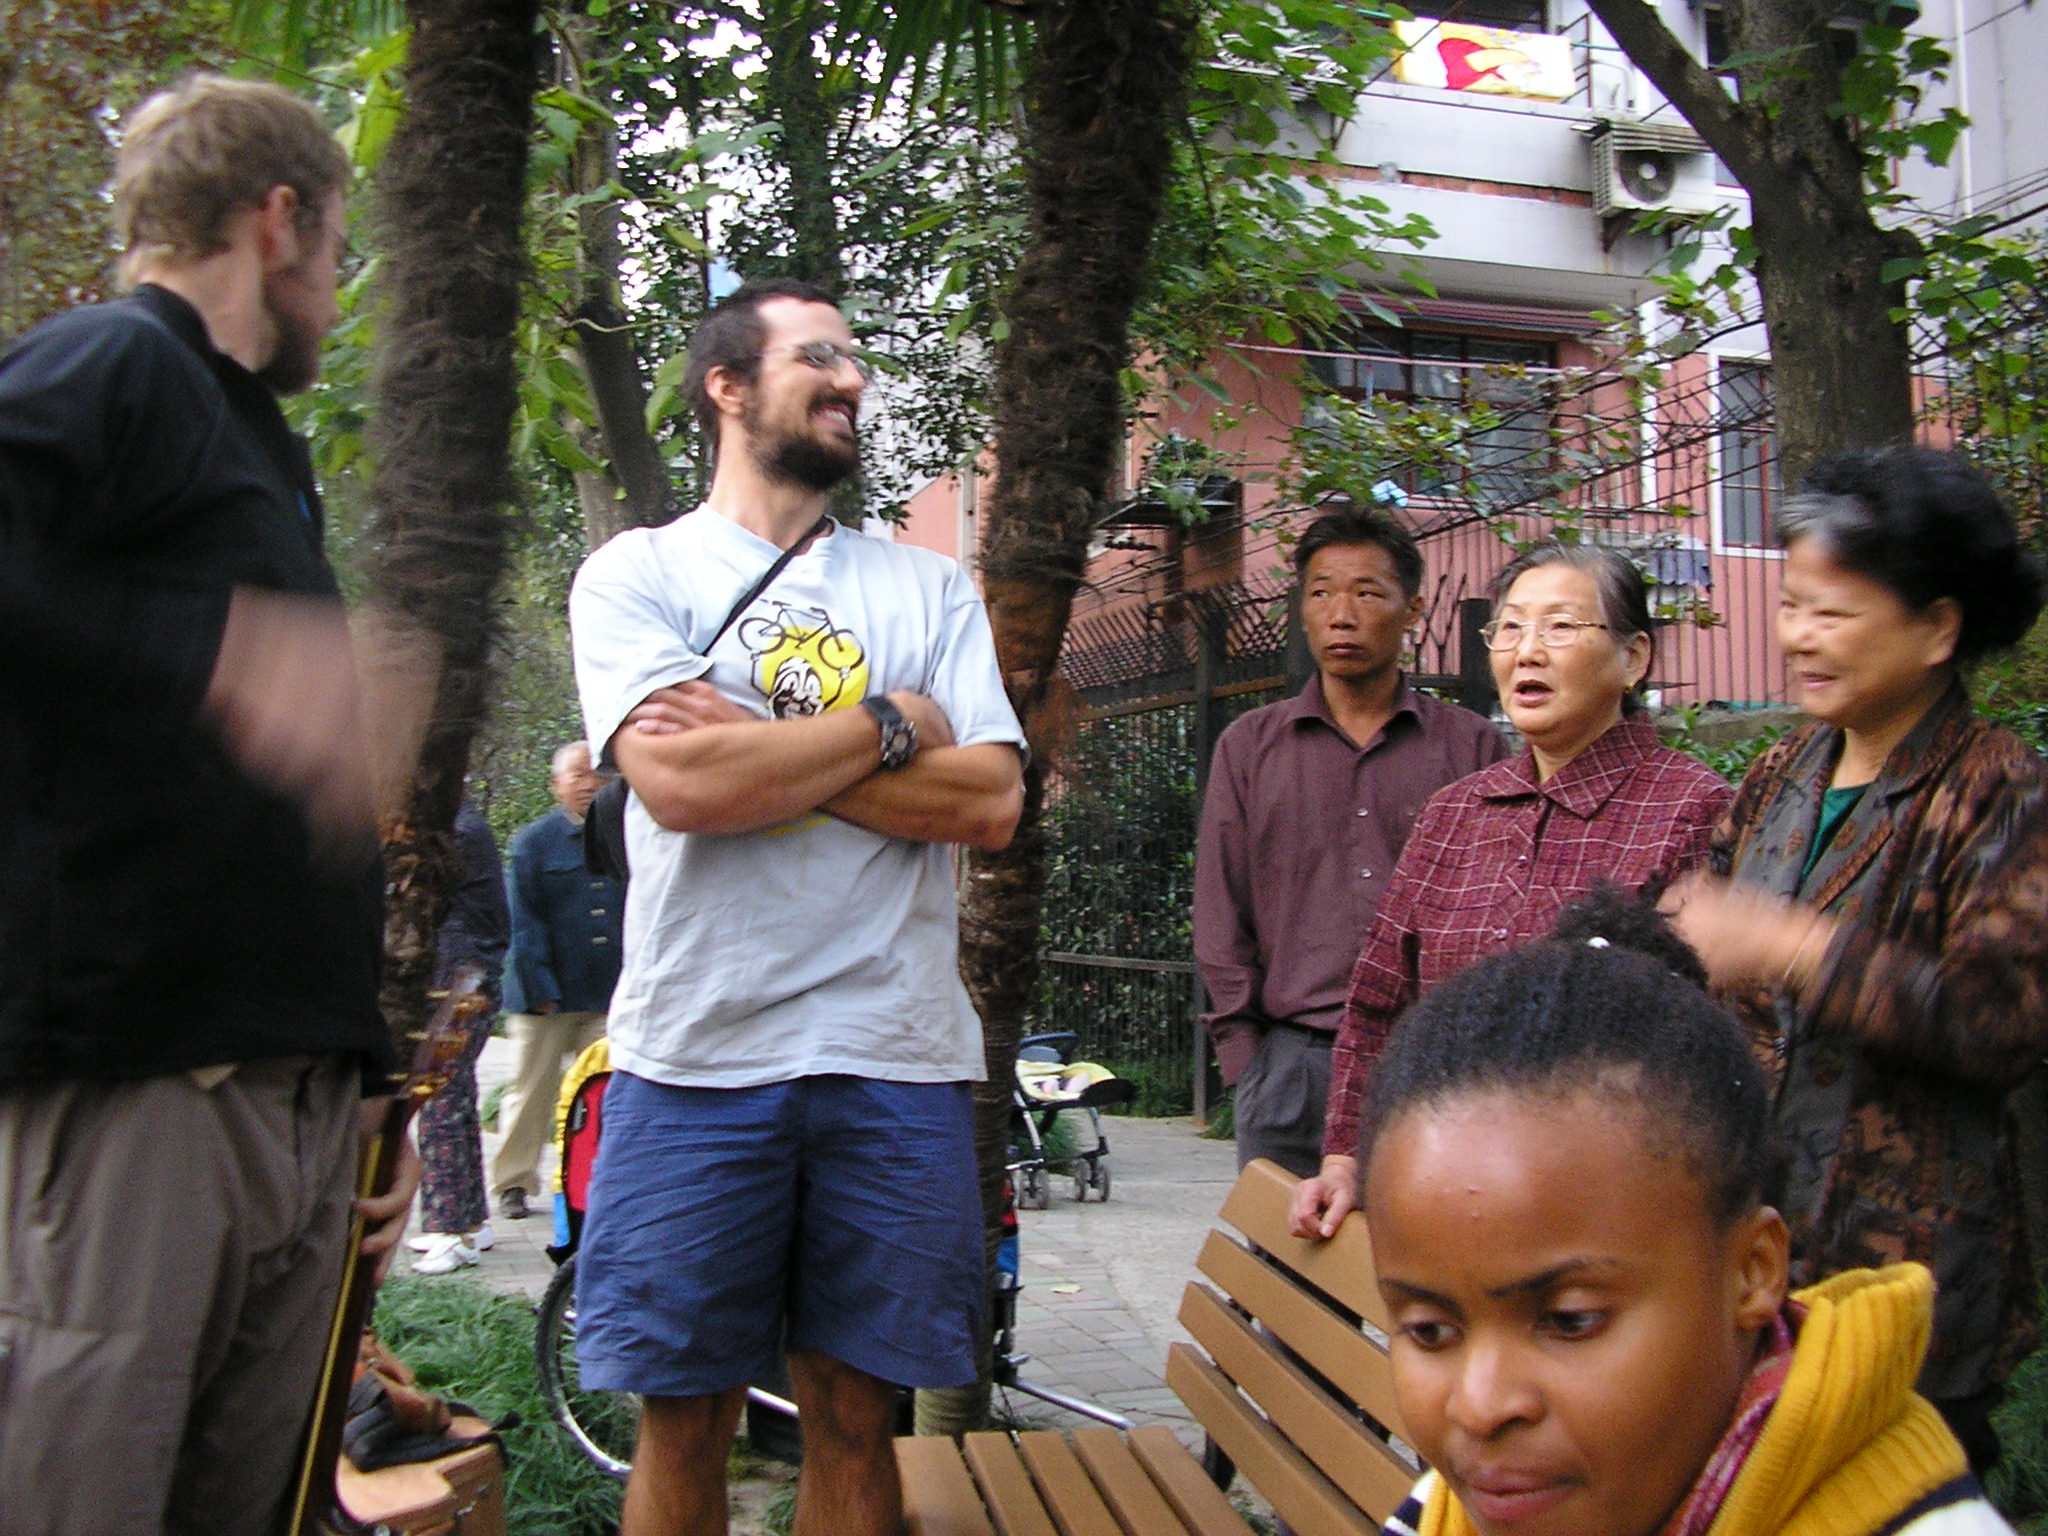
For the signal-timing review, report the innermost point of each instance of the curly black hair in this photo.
(1927, 525)
(1613, 1002)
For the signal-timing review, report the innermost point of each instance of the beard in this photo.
(295, 364)
(813, 462)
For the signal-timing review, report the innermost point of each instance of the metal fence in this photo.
(1120, 818)
(1158, 677)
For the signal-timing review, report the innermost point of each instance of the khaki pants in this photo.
(543, 1045)
(170, 1256)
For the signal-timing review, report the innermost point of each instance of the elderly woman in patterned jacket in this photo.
(1876, 903)
(1494, 858)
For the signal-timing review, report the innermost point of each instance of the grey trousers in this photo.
(170, 1257)
(1281, 1097)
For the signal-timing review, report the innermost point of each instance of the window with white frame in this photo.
(1747, 438)
(1369, 364)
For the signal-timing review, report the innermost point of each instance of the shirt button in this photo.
(597, 911)
(1500, 933)
(1363, 811)
(598, 938)
(1365, 874)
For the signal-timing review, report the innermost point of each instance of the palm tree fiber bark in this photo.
(448, 209)
(1104, 97)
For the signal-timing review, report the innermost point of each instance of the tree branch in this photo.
(1731, 129)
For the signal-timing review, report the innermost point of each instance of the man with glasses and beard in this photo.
(807, 716)
(190, 894)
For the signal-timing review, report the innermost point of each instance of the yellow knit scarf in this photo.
(1849, 1444)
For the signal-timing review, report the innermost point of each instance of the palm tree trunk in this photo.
(448, 210)
(1105, 94)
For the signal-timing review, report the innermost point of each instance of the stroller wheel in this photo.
(1100, 1178)
(1037, 1192)
(1080, 1181)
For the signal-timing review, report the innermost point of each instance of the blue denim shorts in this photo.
(728, 1226)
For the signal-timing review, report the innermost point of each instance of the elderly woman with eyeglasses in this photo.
(1876, 909)
(1496, 856)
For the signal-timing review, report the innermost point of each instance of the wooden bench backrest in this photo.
(1291, 1380)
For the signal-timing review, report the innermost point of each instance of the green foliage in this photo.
(1164, 1090)
(1883, 88)
(66, 74)
(466, 1342)
(1263, 234)
(2018, 1484)
(1222, 1124)
(2013, 689)
(1730, 759)
(1986, 298)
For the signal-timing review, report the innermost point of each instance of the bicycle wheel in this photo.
(603, 1425)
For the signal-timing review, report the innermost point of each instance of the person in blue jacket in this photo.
(559, 972)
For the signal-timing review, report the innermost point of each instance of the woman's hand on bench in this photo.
(1320, 1204)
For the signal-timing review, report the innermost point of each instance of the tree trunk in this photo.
(448, 210)
(1105, 94)
(1841, 366)
(795, 94)
(604, 333)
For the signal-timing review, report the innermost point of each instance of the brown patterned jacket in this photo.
(1928, 1008)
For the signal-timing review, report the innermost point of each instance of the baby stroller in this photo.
(1049, 1084)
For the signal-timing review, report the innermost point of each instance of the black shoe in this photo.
(512, 1204)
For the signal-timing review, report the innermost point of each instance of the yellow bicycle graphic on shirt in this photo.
(804, 663)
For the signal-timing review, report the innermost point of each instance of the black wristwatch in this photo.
(899, 736)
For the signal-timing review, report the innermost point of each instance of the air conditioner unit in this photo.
(1641, 167)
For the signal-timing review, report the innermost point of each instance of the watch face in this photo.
(899, 741)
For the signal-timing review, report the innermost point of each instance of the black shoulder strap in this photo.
(604, 824)
(768, 576)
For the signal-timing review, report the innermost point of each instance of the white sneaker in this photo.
(483, 1240)
(449, 1253)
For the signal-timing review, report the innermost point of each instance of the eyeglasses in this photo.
(825, 356)
(1508, 634)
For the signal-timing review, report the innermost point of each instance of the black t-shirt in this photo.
(158, 910)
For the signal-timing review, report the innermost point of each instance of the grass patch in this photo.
(467, 1342)
(1222, 1124)
(779, 1514)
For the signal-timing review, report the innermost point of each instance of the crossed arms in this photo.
(701, 763)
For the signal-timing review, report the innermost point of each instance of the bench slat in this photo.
(1201, 1505)
(1006, 1488)
(1138, 1503)
(1348, 1453)
(1341, 1265)
(1326, 1339)
(939, 1497)
(1076, 1507)
(1299, 1494)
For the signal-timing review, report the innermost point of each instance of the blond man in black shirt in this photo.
(189, 896)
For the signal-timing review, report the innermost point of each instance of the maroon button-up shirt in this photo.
(1300, 833)
(1494, 860)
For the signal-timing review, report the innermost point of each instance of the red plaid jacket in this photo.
(1492, 862)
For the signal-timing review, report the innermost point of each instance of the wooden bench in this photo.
(1288, 1375)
